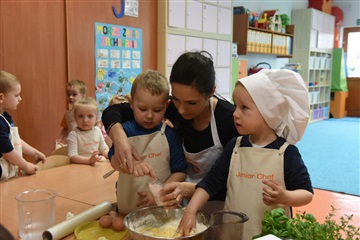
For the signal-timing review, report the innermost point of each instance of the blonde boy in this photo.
(159, 146)
(11, 145)
(75, 90)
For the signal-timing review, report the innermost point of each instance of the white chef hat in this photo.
(282, 99)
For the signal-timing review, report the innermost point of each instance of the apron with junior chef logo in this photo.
(155, 148)
(248, 167)
(88, 141)
(200, 163)
(10, 170)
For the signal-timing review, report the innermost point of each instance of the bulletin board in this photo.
(118, 53)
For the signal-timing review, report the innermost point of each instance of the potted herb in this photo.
(305, 226)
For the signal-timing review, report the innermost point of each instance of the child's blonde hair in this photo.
(77, 84)
(7, 81)
(117, 99)
(153, 81)
(86, 101)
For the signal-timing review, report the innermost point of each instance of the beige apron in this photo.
(10, 170)
(156, 149)
(248, 167)
(200, 163)
(70, 120)
(88, 141)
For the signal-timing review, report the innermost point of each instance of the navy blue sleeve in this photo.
(214, 183)
(5, 143)
(177, 158)
(111, 152)
(126, 127)
(117, 113)
(296, 173)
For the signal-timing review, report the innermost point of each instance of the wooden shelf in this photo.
(256, 40)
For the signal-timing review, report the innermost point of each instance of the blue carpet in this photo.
(331, 152)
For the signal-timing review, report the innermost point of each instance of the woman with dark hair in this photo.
(203, 119)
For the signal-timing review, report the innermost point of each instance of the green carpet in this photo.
(331, 152)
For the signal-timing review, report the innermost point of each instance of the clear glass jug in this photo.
(36, 211)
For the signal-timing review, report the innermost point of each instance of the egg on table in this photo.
(118, 223)
(106, 221)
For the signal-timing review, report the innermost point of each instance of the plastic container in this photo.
(36, 211)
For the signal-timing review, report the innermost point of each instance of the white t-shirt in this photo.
(84, 143)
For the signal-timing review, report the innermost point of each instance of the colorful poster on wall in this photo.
(118, 53)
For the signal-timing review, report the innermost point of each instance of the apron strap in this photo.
(163, 127)
(214, 131)
(283, 147)
(237, 144)
(6, 121)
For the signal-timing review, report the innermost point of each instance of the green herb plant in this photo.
(305, 226)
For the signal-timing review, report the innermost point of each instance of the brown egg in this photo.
(106, 221)
(118, 224)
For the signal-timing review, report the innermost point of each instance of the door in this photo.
(351, 38)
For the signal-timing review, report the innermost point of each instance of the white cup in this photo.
(36, 211)
(155, 186)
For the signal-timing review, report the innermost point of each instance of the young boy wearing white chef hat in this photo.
(261, 170)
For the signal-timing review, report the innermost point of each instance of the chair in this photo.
(53, 161)
(60, 151)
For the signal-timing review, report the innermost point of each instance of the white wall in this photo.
(351, 10)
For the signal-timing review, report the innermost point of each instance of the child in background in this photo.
(86, 144)
(159, 146)
(116, 99)
(261, 170)
(11, 145)
(75, 90)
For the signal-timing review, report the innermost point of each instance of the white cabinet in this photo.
(224, 18)
(193, 44)
(176, 46)
(177, 14)
(223, 51)
(189, 25)
(210, 45)
(209, 18)
(223, 86)
(313, 47)
(194, 15)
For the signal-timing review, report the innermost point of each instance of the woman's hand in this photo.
(168, 122)
(172, 194)
(124, 152)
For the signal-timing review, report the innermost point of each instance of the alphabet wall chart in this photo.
(118, 53)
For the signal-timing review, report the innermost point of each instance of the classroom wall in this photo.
(351, 9)
(47, 43)
(259, 6)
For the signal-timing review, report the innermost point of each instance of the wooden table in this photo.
(79, 187)
(78, 182)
